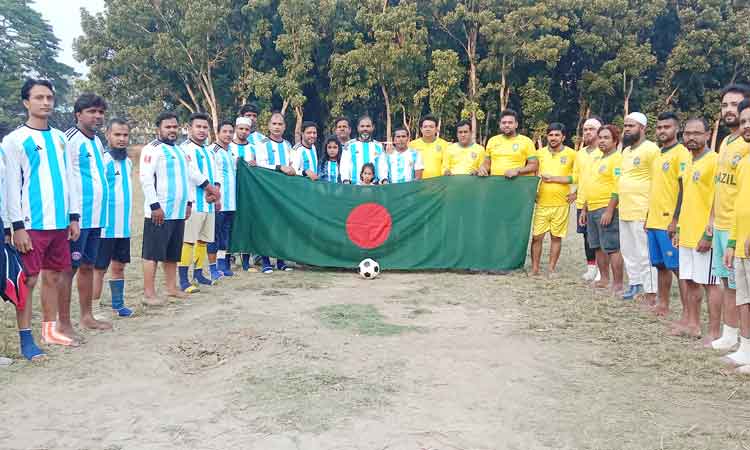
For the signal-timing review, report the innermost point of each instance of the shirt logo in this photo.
(617, 172)
(26, 219)
(696, 176)
(515, 147)
(602, 168)
(736, 160)
(637, 161)
(438, 149)
(38, 148)
(682, 167)
(563, 160)
(665, 166)
(117, 173)
(473, 155)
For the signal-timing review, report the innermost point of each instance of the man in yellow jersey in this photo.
(584, 156)
(635, 185)
(738, 248)
(694, 245)
(733, 148)
(599, 212)
(664, 205)
(465, 156)
(556, 167)
(509, 154)
(430, 147)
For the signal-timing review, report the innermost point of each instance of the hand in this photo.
(252, 163)
(572, 197)
(645, 229)
(346, 182)
(606, 218)
(22, 241)
(217, 205)
(312, 176)
(703, 246)
(188, 211)
(288, 170)
(547, 178)
(447, 172)
(384, 181)
(583, 218)
(710, 229)
(512, 173)
(157, 217)
(747, 247)
(729, 258)
(483, 171)
(672, 228)
(74, 231)
(676, 240)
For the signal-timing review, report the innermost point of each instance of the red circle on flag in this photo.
(369, 225)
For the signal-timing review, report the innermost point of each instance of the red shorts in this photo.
(51, 252)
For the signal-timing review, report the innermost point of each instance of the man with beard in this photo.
(430, 146)
(305, 154)
(664, 206)
(402, 165)
(359, 152)
(634, 186)
(241, 148)
(509, 154)
(733, 148)
(584, 157)
(464, 156)
(342, 129)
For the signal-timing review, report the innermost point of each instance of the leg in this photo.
(616, 262)
(170, 280)
(536, 253)
(117, 288)
(715, 302)
(64, 324)
(184, 267)
(602, 262)
(96, 289)
(664, 291)
(85, 282)
(149, 279)
(28, 347)
(53, 285)
(199, 263)
(555, 248)
(694, 296)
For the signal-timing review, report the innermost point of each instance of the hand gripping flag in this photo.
(12, 277)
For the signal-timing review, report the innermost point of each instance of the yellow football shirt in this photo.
(584, 157)
(432, 155)
(601, 183)
(462, 160)
(559, 164)
(731, 151)
(698, 195)
(509, 153)
(635, 182)
(741, 224)
(668, 168)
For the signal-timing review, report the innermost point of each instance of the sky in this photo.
(65, 18)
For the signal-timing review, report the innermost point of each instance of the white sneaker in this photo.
(598, 275)
(4, 362)
(590, 273)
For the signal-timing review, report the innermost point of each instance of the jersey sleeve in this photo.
(297, 162)
(149, 162)
(530, 150)
(346, 168)
(742, 174)
(616, 170)
(3, 193)
(683, 162)
(419, 162)
(13, 182)
(73, 170)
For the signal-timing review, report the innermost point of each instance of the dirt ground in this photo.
(319, 359)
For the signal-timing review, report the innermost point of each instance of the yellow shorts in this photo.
(552, 219)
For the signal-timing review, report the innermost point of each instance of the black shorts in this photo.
(112, 249)
(163, 242)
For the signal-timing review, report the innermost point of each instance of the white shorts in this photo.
(742, 280)
(199, 227)
(696, 266)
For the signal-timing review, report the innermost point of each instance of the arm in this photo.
(73, 170)
(13, 186)
(149, 162)
(419, 166)
(672, 229)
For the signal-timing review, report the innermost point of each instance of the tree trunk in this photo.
(298, 125)
(583, 115)
(715, 134)
(471, 50)
(284, 106)
(387, 112)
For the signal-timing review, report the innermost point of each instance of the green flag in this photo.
(456, 222)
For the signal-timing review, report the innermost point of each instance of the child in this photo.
(331, 161)
(367, 175)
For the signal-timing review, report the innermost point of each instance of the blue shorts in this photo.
(661, 252)
(222, 231)
(85, 249)
(112, 249)
(719, 247)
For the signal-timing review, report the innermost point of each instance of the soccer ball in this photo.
(369, 269)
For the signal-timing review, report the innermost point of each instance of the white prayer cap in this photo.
(638, 117)
(243, 121)
(592, 122)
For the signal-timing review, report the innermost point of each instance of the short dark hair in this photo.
(340, 119)
(307, 124)
(428, 118)
(199, 116)
(31, 82)
(117, 121)
(364, 117)
(226, 122)
(668, 115)
(736, 88)
(87, 101)
(276, 113)
(249, 107)
(401, 129)
(744, 104)
(509, 112)
(556, 126)
(702, 121)
(164, 115)
(464, 123)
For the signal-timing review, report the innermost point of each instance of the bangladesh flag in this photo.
(456, 222)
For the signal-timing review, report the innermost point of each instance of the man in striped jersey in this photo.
(305, 153)
(241, 148)
(251, 111)
(200, 226)
(168, 179)
(226, 165)
(274, 153)
(114, 245)
(403, 165)
(358, 152)
(88, 186)
(40, 209)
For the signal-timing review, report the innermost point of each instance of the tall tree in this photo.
(443, 90)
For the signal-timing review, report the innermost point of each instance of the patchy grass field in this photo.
(324, 360)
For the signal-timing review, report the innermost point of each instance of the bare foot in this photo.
(90, 323)
(661, 311)
(618, 290)
(178, 295)
(534, 273)
(602, 284)
(69, 332)
(706, 343)
(553, 275)
(153, 301)
(685, 330)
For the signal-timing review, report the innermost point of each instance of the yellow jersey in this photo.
(432, 155)
(668, 167)
(584, 157)
(462, 160)
(509, 153)
(741, 224)
(635, 182)
(602, 180)
(698, 185)
(559, 164)
(731, 151)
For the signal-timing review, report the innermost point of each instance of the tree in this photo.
(443, 89)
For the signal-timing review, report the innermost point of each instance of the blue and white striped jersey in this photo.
(86, 177)
(305, 159)
(39, 197)
(269, 153)
(355, 155)
(330, 172)
(118, 173)
(399, 167)
(255, 137)
(168, 178)
(205, 161)
(241, 151)
(226, 165)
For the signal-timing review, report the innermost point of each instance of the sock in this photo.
(728, 338)
(183, 273)
(227, 267)
(742, 355)
(245, 261)
(117, 287)
(266, 261)
(201, 255)
(29, 349)
(214, 270)
(50, 335)
(200, 278)
(221, 254)
(187, 254)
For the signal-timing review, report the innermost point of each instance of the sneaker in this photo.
(598, 275)
(124, 312)
(590, 273)
(4, 362)
(633, 290)
(283, 267)
(267, 269)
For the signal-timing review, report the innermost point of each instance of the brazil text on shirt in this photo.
(168, 178)
(118, 174)
(399, 167)
(731, 152)
(203, 160)
(226, 164)
(305, 159)
(355, 155)
(39, 197)
(269, 153)
(86, 177)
